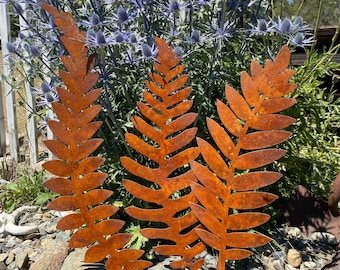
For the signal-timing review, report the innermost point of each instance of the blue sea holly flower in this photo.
(122, 15)
(178, 51)
(48, 98)
(45, 88)
(95, 20)
(263, 27)
(285, 26)
(173, 7)
(11, 48)
(298, 21)
(100, 38)
(119, 37)
(133, 39)
(149, 52)
(34, 50)
(22, 36)
(299, 40)
(96, 39)
(223, 32)
(90, 34)
(195, 37)
(42, 90)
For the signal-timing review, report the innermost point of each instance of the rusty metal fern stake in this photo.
(166, 127)
(76, 177)
(243, 143)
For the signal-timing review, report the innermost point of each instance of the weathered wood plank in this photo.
(298, 59)
(2, 126)
(32, 133)
(10, 97)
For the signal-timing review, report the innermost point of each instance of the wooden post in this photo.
(30, 104)
(2, 115)
(2, 126)
(5, 33)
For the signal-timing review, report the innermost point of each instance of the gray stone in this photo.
(74, 260)
(52, 258)
(308, 265)
(277, 255)
(10, 258)
(275, 265)
(325, 238)
(289, 267)
(21, 259)
(3, 266)
(62, 236)
(3, 257)
(294, 232)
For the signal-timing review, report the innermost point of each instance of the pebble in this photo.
(294, 257)
(48, 249)
(324, 238)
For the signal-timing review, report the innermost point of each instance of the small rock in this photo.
(324, 238)
(46, 242)
(294, 257)
(74, 260)
(21, 259)
(3, 257)
(62, 236)
(12, 242)
(294, 232)
(27, 243)
(52, 258)
(277, 255)
(308, 265)
(32, 235)
(290, 267)
(10, 258)
(3, 266)
(275, 265)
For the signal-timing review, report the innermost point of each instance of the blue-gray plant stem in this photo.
(316, 28)
(223, 14)
(209, 78)
(101, 64)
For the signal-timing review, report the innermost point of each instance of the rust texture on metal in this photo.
(228, 186)
(166, 124)
(76, 178)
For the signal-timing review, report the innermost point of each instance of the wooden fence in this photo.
(9, 132)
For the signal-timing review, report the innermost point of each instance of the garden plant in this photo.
(166, 109)
(215, 41)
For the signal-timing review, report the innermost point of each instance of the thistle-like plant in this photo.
(75, 177)
(251, 126)
(165, 124)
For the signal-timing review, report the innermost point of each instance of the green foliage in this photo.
(218, 58)
(330, 11)
(314, 151)
(26, 189)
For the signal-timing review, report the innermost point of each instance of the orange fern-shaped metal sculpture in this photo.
(251, 126)
(166, 109)
(76, 179)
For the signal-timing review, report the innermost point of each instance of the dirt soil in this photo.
(304, 210)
